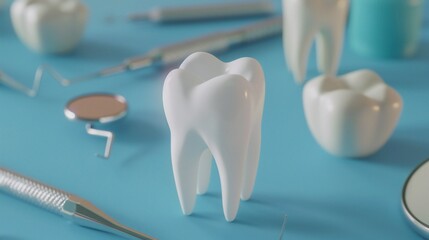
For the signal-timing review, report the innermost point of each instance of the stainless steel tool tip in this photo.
(86, 214)
(72, 207)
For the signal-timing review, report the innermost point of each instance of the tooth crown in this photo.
(215, 108)
(353, 115)
(305, 20)
(49, 26)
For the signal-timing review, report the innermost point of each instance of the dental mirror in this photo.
(415, 199)
(97, 108)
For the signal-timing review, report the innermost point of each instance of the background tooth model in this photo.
(215, 107)
(353, 115)
(305, 20)
(54, 26)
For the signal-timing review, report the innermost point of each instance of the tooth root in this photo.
(252, 163)
(329, 40)
(298, 47)
(329, 47)
(230, 157)
(298, 35)
(205, 166)
(186, 150)
(325, 53)
(305, 19)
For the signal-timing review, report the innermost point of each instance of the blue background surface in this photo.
(325, 197)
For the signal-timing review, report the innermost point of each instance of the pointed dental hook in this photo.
(163, 55)
(101, 133)
(46, 69)
(40, 71)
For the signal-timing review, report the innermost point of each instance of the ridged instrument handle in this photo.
(33, 191)
(76, 209)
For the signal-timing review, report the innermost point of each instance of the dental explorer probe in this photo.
(205, 12)
(210, 43)
(77, 209)
(160, 56)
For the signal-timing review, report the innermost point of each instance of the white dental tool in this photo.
(162, 56)
(206, 12)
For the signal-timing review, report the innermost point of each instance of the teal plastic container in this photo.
(385, 28)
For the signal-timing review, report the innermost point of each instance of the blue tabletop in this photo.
(325, 197)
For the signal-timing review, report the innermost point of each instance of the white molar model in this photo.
(353, 115)
(305, 20)
(49, 26)
(215, 108)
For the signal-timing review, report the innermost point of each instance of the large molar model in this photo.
(215, 108)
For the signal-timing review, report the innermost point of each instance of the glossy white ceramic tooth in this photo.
(53, 26)
(305, 20)
(215, 108)
(353, 115)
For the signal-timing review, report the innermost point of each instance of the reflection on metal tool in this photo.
(97, 108)
(65, 204)
(205, 12)
(165, 55)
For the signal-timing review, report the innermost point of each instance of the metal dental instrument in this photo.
(65, 204)
(162, 56)
(205, 12)
(211, 43)
(101, 108)
(38, 76)
(12, 83)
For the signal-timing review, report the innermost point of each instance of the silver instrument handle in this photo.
(212, 11)
(74, 208)
(32, 191)
(211, 43)
(221, 41)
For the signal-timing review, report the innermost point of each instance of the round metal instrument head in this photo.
(100, 107)
(415, 199)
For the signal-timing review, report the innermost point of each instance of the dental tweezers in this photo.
(65, 204)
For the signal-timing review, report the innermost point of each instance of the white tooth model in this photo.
(215, 108)
(353, 115)
(49, 26)
(304, 20)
